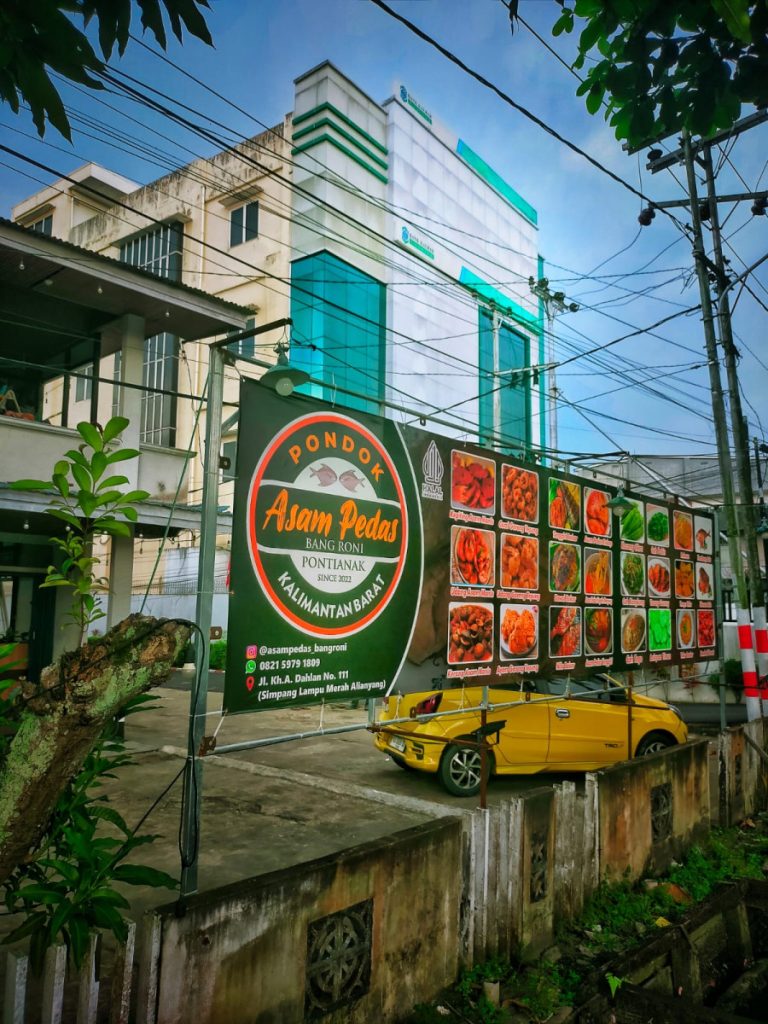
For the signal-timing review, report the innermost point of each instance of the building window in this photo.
(161, 370)
(243, 224)
(229, 451)
(514, 427)
(44, 226)
(117, 367)
(84, 385)
(160, 251)
(339, 330)
(246, 347)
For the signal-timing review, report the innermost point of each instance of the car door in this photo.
(524, 740)
(587, 727)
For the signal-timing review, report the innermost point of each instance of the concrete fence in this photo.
(367, 933)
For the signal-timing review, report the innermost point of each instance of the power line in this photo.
(506, 98)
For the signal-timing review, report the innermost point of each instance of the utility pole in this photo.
(739, 519)
(554, 303)
(749, 672)
(746, 509)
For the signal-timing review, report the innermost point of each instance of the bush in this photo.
(185, 655)
(218, 654)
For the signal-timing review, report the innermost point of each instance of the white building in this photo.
(410, 262)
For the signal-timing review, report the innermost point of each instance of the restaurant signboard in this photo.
(358, 543)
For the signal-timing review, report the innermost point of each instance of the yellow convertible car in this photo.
(543, 726)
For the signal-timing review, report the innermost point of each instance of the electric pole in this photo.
(746, 508)
(554, 303)
(739, 516)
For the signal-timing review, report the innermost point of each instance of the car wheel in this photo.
(653, 743)
(459, 770)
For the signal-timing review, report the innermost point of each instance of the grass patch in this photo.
(619, 917)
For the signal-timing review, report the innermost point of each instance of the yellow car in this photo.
(543, 726)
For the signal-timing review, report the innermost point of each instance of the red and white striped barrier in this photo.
(761, 647)
(748, 665)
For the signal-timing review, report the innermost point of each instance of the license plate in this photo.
(397, 743)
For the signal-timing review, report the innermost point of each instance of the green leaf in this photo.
(31, 485)
(590, 35)
(595, 99)
(117, 529)
(91, 435)
(77, 934)
(114, 428)
(105, 916)
(112, 816)
(66, 517)
(82, 478)
(60, 917)
(26, 928)
(152, 19)
(564, 23)
(122, 455)
(79, 458)
(130, 514)
(67, 871)
(47, 895)
(62, 484)
(109, 496)
(98, 464)
(110, 896)
(735, 14)
(112, 481)
(133, 496)
(139, 874)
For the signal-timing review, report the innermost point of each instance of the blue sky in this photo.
(585, 219)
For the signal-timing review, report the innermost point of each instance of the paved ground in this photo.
(275, 805)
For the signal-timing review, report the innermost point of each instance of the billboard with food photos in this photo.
(359, 543)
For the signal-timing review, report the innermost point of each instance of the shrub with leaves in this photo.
(67, 887)
(89, 500)
(43, 37)
(662, 67)
(68, 890)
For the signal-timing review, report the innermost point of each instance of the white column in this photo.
(129, 332)
(120, 579)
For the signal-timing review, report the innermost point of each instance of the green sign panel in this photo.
(358, 544)
(326, 554)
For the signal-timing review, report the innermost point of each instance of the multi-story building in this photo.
(402, 258)
(60, 306)
(410, 263)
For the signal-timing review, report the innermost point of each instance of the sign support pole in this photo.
(193, 770)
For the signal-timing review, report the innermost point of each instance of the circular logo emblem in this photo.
(403, 94)
(327, 524)
(405, 234)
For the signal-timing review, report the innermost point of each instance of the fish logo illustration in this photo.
(351, 480)
(326, 476)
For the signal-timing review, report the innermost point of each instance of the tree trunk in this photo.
(63, 717)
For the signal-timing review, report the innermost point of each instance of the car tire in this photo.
(459, 769)
(653, 743)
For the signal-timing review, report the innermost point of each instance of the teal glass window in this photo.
(338, 333)
(515, 397)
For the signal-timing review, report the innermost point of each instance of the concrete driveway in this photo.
(276, 805)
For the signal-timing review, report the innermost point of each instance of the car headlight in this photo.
(676, 711)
